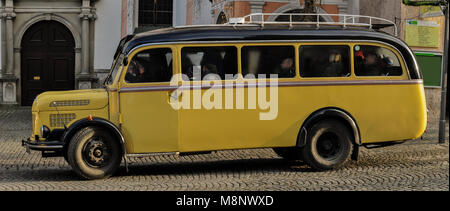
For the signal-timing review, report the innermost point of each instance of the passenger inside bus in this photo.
(264, 61)
(376, 61)
(372, 65)
(216, 61)
(209, 72)
(334, 68)
(324, 61)
(286, 69)
(212, 62)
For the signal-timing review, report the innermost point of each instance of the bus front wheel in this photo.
(328, 145)
(93, 153)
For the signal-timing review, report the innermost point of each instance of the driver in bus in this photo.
(137, 73)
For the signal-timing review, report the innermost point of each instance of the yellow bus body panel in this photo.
(400, 116)
(148, 123)
(382, 111)
(79, 104)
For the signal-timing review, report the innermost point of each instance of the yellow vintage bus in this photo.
(311, 94)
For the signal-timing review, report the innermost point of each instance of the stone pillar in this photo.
(2, 42)
(2, 49)
(9, 16)
(8, 78)
(257, 7)
(86, 77)
(84, 44)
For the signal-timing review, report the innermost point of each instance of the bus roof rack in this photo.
(344, 20)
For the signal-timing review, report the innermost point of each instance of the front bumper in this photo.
(54, 146)
(52, 143)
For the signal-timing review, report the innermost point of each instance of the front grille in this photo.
(59, 120)
(69, 103)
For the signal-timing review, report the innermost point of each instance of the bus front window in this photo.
(115, 69)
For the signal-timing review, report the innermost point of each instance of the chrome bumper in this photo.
(42, 146)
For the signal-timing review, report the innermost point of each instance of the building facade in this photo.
(220, 11)
(49, 45)
(55, 45)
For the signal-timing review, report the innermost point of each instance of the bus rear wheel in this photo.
(328, 145)
(93, 153)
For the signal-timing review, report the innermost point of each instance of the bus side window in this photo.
(209, 63)
(376, 61)
(154, 65)
(318, 61)
(268, 60)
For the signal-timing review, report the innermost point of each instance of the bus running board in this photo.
(381, 145)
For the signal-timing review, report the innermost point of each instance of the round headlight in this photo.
(45, 131)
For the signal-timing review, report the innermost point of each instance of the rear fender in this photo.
(328, 113)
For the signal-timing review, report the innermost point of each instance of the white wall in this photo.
(202, 12)
(107, 32)
(179, 12)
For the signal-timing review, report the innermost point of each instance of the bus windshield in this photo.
(114, 70)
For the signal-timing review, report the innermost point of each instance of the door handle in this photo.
(175, 95)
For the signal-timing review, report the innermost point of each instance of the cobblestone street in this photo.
(414, 165)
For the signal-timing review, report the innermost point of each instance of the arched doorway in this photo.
(222, 18)
(47, 60)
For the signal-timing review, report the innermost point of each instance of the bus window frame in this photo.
(138, 50)
(118, 63)
(295, 45)
(176, 51)
(352, 74)
(202, 45)
(405, 72)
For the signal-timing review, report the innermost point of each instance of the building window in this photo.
(155, 12)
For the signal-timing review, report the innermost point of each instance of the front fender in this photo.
(86, 122)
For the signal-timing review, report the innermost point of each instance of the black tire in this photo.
(291, 153)
(65, 156)
(93, 153)
(328, 145)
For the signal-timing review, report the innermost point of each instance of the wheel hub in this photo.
(328, 145)
(96, 153)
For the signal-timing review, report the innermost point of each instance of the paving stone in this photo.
(414, 165)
